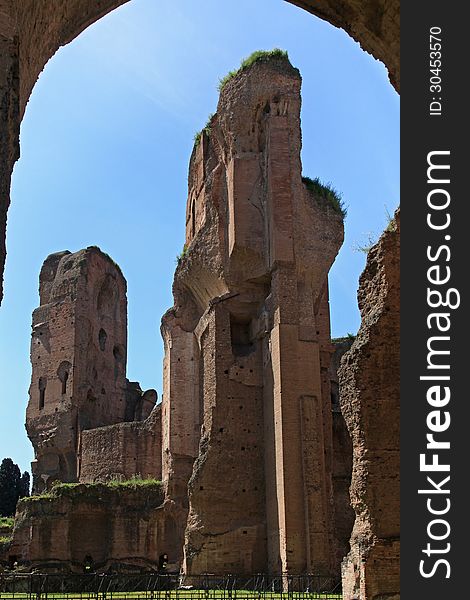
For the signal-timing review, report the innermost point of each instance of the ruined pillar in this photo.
(302, 433)
(180, 407)
(251, 285)
(78, 356)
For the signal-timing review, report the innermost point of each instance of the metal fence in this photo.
(166, 587)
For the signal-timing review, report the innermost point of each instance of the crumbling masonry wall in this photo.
(342, 456)
(370, 402)
(125, 526)
(123, 451)
(251, 318)
(78, 356)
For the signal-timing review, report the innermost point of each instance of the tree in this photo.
(13, 486)
(23, 488)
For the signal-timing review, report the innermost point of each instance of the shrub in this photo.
(328, 193)
(373, 238)
(256, 56)
(367, 246)
(391, 223)
(5, 544)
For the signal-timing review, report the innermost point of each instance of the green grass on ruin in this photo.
(59, 488)
(133, 483)
(257, 56)
(7, 524)
(5, 541)
(206, 129)
(182, 254)
(328, 193)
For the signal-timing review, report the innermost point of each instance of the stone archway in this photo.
(33, 30)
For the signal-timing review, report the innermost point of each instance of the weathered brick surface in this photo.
(114, 526)
(9, 122)
(375, 24)
(370, 402)
(180, 405)
(342, 458)
(78, 355)
(123, 451)
(253, 307)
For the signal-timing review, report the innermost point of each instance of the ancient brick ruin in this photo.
(30, 33)
(251, 316)
(369, 400)
(78, 356)
(249, 441)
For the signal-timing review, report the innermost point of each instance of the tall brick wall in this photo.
(251, 312)
(78, 383)
(370, 402)
(342, 456)
(226, 529)
(78, 356)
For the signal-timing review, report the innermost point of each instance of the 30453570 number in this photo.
(435, 68)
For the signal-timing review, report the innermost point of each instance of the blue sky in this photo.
(105, 145)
